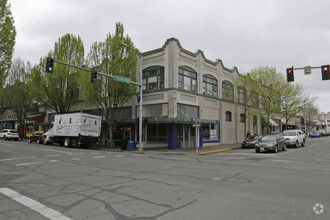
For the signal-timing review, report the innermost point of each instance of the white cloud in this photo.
(245, 34)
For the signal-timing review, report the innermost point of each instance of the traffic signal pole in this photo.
(118, 78)
(325, 70)
(90, 70)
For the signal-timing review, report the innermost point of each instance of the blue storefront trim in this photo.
(209, 141)
(172, 136)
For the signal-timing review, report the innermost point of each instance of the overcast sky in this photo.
(245, 34)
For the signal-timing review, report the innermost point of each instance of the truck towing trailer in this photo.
(78, 129)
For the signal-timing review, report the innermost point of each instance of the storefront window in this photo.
(210, 132)
(157, 133)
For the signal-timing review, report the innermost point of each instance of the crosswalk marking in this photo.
(34, 205)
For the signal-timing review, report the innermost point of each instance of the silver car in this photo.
(8, 134)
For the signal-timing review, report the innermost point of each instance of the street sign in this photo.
(122, 79)
(196, 125)
(308, 70)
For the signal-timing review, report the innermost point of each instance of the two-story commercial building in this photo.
(183, 90)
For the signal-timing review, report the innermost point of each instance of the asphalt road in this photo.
(52, 182)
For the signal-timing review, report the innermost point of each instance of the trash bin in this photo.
(130, 145)
(123, 144)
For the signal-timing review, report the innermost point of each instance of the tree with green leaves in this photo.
(291, 102)
(111, 58)
(268, 83)
(244, 87)
(310, 111)
(59, 90)
(17, 96)
(7, 40)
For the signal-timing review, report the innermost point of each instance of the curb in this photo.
(215, 151)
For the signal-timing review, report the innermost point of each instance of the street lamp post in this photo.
(141, 97)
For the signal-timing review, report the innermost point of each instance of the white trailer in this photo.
(74, 129)
(327, 126)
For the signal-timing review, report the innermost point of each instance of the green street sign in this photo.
(122, 79)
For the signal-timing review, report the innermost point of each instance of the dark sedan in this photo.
(251, 141)
(271, 143)
(36, 137)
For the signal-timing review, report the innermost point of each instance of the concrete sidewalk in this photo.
(188, 151)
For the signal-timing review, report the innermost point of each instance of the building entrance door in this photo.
(186, 136)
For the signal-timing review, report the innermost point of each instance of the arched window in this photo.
(210, 85)
(241, 92)
(153, 78)
(228, 116)
(187, 79)
(227, 91)
(254, 99)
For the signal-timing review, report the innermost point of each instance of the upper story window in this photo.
(153, 78)
(254, 99)
(227, 91)
(241, 92)
(210, 85)
(187, 79)
(228, 116)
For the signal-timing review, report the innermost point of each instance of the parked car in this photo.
(250, 142)
(37, 137)
(8, 134)
(323, 133)
(272, 142)
(294, 138)
(315, 134)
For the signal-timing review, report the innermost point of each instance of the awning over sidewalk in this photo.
(273, 123)
(36, 117)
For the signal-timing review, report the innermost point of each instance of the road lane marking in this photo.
(74, 154)
(17, 158)
(54, 155)
(286, 152)
(58, 151)
(25, 164)
(52, 161)
(323, 172)
(95, 153)
(97, 157)
(118, 155)
(34, 205)
(8, 144)
(321, 160)
(285, 161)
(75, 158)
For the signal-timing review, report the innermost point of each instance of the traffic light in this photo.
(93, 76)
(325, 72)
(49, 65)
(289, 74)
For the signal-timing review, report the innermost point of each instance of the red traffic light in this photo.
(325, 72)
(289, 74)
